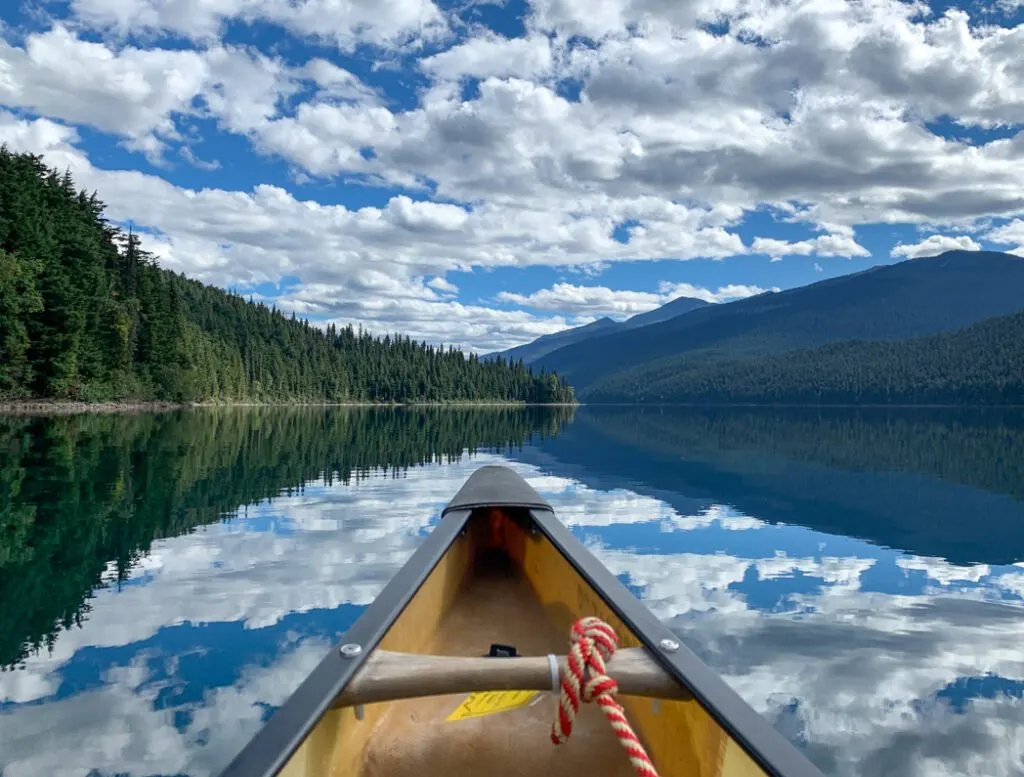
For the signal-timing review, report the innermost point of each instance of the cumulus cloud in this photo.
(493, 56)
(344, 23)
(129, 93)
(660, 129)
(139, 94)
(934, 245)
(823, 245)
(815, 117)
(1011, 234)
(602, 301)
(727, 293)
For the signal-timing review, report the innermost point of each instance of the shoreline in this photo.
(23, 407)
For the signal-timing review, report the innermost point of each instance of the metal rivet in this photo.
(360, 711)
(669, 645)
(350, 650)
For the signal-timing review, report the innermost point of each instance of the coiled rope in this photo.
(592, 642)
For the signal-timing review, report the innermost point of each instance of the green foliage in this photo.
(86, 314)
(980, 365)
(19, 299)
(82, 497)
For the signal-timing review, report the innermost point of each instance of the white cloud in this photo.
(356, 265)
(727, 293)
(138, 93)
(493, 56)
(823, 245)
(934, 245)
(1011, 234)
(189, 156)
(128, 93)
(344, 23)
(443, 286)
(602, 301)
(585, 299)
(815, 111)
(337, 83)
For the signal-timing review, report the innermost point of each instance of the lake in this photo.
(166, 580)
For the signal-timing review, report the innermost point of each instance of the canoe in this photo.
(469, 664)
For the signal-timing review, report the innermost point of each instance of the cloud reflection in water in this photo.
(876, 662)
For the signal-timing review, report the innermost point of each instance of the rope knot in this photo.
(597, 643)
(592, 642)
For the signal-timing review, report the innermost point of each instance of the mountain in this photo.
(914, 298)
(533, 352)
(980, 365)
(86, 314)
(676, 307)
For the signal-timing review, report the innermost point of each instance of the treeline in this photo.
(980, 365)
(86, 314)
(80, 492)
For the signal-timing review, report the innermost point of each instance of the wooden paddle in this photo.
(387, 676)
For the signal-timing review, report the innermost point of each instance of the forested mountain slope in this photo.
(86, 314)
(980, 365)
(911, 299)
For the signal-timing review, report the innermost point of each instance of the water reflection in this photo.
(876, 660)
(82, 498)
(918, 480)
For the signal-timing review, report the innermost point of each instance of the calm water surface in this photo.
(167, 580)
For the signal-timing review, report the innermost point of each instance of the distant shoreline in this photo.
(68, 407)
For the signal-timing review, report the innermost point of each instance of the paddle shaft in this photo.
(387, 676)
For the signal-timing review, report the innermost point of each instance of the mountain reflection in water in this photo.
(854, 575)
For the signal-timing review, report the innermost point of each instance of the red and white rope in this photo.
(592, 643)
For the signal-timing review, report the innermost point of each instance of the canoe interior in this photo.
(501, 583)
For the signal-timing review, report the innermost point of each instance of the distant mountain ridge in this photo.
(914, 298)
(533, 351)
(542, 346)
(982, 364)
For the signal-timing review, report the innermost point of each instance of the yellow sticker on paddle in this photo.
(476, 705)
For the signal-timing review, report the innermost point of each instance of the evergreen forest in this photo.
(86, 314)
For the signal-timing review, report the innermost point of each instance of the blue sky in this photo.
(484, 173)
